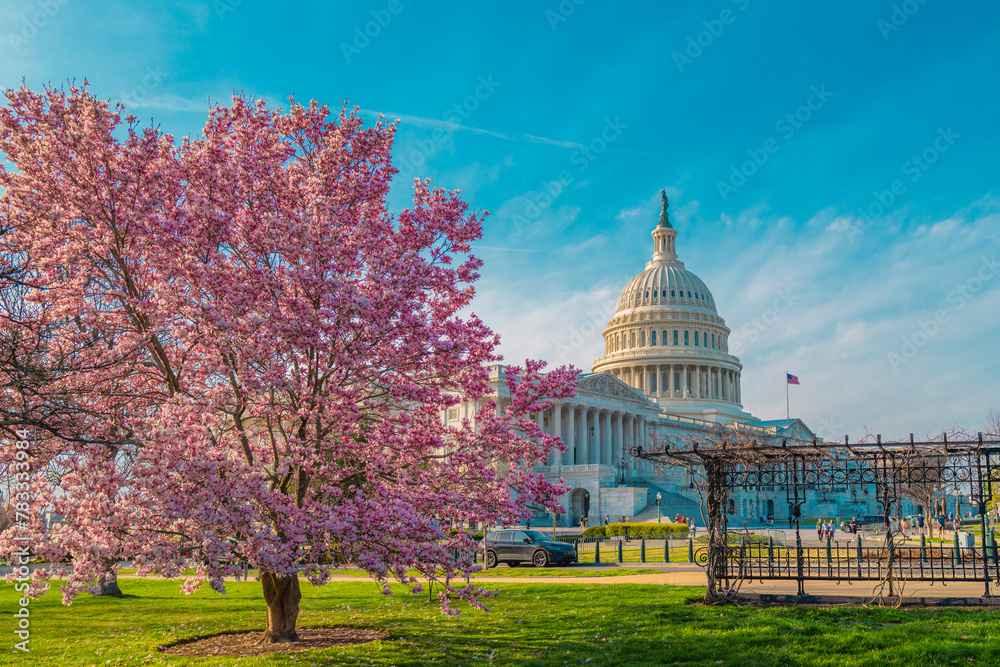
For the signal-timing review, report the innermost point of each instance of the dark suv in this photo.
(518, 546)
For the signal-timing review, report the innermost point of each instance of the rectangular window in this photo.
(453, 414)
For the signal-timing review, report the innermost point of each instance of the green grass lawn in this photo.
(500, 571)
(529, 624)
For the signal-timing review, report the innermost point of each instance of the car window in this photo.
(537, 537)
(520, 537)
(503, 536)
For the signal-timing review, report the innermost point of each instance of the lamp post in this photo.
(658, 497)
(958, 508)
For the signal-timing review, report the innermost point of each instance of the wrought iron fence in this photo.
(645, 549)
(855, 561)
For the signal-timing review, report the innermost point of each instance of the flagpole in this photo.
(786, 396)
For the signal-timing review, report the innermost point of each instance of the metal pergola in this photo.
(730, 459)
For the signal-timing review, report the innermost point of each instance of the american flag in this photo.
(792, 379)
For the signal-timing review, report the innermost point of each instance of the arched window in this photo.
(675, 337)
(652, 383)
(642, 339)
(713, 341)
(654, 293)
(673, 293)
(663, 340)
(633, 339)
(689, 294)
(652, 338)
(686, 338)
(647, 294)
(677, 382)
(696, 339)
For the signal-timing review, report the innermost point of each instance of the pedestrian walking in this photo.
(819, 529)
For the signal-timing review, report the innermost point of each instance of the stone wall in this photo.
(624, 501)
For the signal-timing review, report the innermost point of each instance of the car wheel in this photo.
(540, 559)
(491, 559)
(513, 563)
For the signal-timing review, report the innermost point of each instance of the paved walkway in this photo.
(688, 574)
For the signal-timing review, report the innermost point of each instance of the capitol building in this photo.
(666, 376)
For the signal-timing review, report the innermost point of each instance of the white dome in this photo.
(669, 285)
(667, 339)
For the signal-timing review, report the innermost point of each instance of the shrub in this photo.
(643, 529)
(594, 531)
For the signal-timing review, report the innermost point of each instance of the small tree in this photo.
(246, 358)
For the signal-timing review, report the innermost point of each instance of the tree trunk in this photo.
(282, 594)
(107, 583)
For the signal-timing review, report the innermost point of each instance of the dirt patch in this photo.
(240, 644)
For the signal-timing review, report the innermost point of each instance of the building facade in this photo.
(666, 376)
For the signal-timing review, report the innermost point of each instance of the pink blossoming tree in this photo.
(228, 352)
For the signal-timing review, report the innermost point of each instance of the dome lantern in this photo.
(664, 248)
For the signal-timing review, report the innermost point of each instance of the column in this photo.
(556, 430)
(595, 446)
(641, 441)
(603, 431)
(697, 381)
(616, 444)
(581, 436)
(570, 434)
(627, 432)
(738, 392)
(670, 381)
(659, 381)
(591, 419)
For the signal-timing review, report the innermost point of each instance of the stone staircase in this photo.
(671, 504)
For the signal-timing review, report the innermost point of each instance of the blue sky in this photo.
(832, 170)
